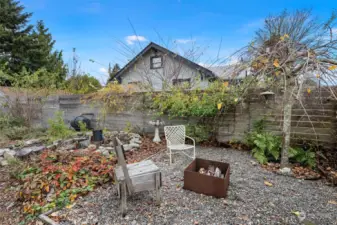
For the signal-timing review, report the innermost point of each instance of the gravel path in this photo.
(249, 201)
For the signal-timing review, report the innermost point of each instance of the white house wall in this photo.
(172, 69)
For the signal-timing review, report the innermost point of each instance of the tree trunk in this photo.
(286, 130)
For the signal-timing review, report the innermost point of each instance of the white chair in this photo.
(175, 140)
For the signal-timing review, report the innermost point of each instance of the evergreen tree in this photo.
(15, 38)
(113, 71)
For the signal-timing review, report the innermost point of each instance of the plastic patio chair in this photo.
(175, 140)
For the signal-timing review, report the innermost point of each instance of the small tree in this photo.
(289, 51)
(113, 71)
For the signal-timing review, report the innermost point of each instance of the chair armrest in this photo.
(190, 139)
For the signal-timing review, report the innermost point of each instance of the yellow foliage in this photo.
(276, 63)
(277, 73)
(225, 84)
(318, 76)
(285, 36)
(219, 106)
(309, 90)
(333, 67)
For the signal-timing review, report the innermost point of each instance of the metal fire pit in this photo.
(205, 184)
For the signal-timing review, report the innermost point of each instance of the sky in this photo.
(110, 31)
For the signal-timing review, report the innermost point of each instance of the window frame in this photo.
(178, 81)
(152, 64)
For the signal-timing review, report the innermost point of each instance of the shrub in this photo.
(57, 128)
(200, 133)
(299, 155)
(267, 147)
(16, 133)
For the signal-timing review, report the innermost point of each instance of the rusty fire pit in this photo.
(206, 184)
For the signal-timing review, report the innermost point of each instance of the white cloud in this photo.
(133, 38)
(184, 41)
(103, 70)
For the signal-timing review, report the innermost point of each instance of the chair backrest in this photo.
(175, 135)
(122, 163)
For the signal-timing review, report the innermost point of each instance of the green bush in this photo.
(199, 132)
(299, 155)
(7, 121)
(16, 133)
(267, 147)
(57, 128)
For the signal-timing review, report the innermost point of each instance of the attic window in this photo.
(156, 62)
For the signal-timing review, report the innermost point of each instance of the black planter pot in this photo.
(97, 135)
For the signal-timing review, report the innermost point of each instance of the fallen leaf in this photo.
(333, 67)
(219, 106)
(309, 90)
(225, 84)
(332, 202)
(318, 76)
(267, 183)
(297, 213)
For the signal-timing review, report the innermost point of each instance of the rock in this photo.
(134, 135)
(27, 150)
(51, 147)
(3, 150)
(31, 142)
(9, 154)
(68, 147)
(134, 145)
(134, 222)
(57, 142)
(80, 139)
(127, 147)
(110, 149)
(84, 143)
(135, 140)
(92, 147)
(285, 171)
(4, 162)
(253, 163)
(105, 152)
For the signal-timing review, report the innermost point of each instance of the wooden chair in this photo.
(135, 177)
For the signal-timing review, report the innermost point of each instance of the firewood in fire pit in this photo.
(217, 172)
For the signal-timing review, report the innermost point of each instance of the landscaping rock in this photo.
(134, 145)
(27, 150)
(3, 163)
(135, 140)
(9, 154)
(92, 147)
(3, 150)
(127, 147)
(286, 171)
(31, 142)
(84, 143)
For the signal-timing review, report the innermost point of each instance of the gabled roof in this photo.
(153, 45)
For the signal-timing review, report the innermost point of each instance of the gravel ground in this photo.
(249, 200)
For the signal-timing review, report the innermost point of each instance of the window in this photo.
(181, 82)
(156, 62)
(135, 82)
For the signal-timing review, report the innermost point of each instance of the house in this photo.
(158, 67)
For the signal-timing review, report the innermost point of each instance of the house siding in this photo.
(172, 68)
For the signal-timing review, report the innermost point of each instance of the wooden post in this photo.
(123, 198)
(157, 177)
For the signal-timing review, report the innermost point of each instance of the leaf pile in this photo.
(58, 179)
(298, 171)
